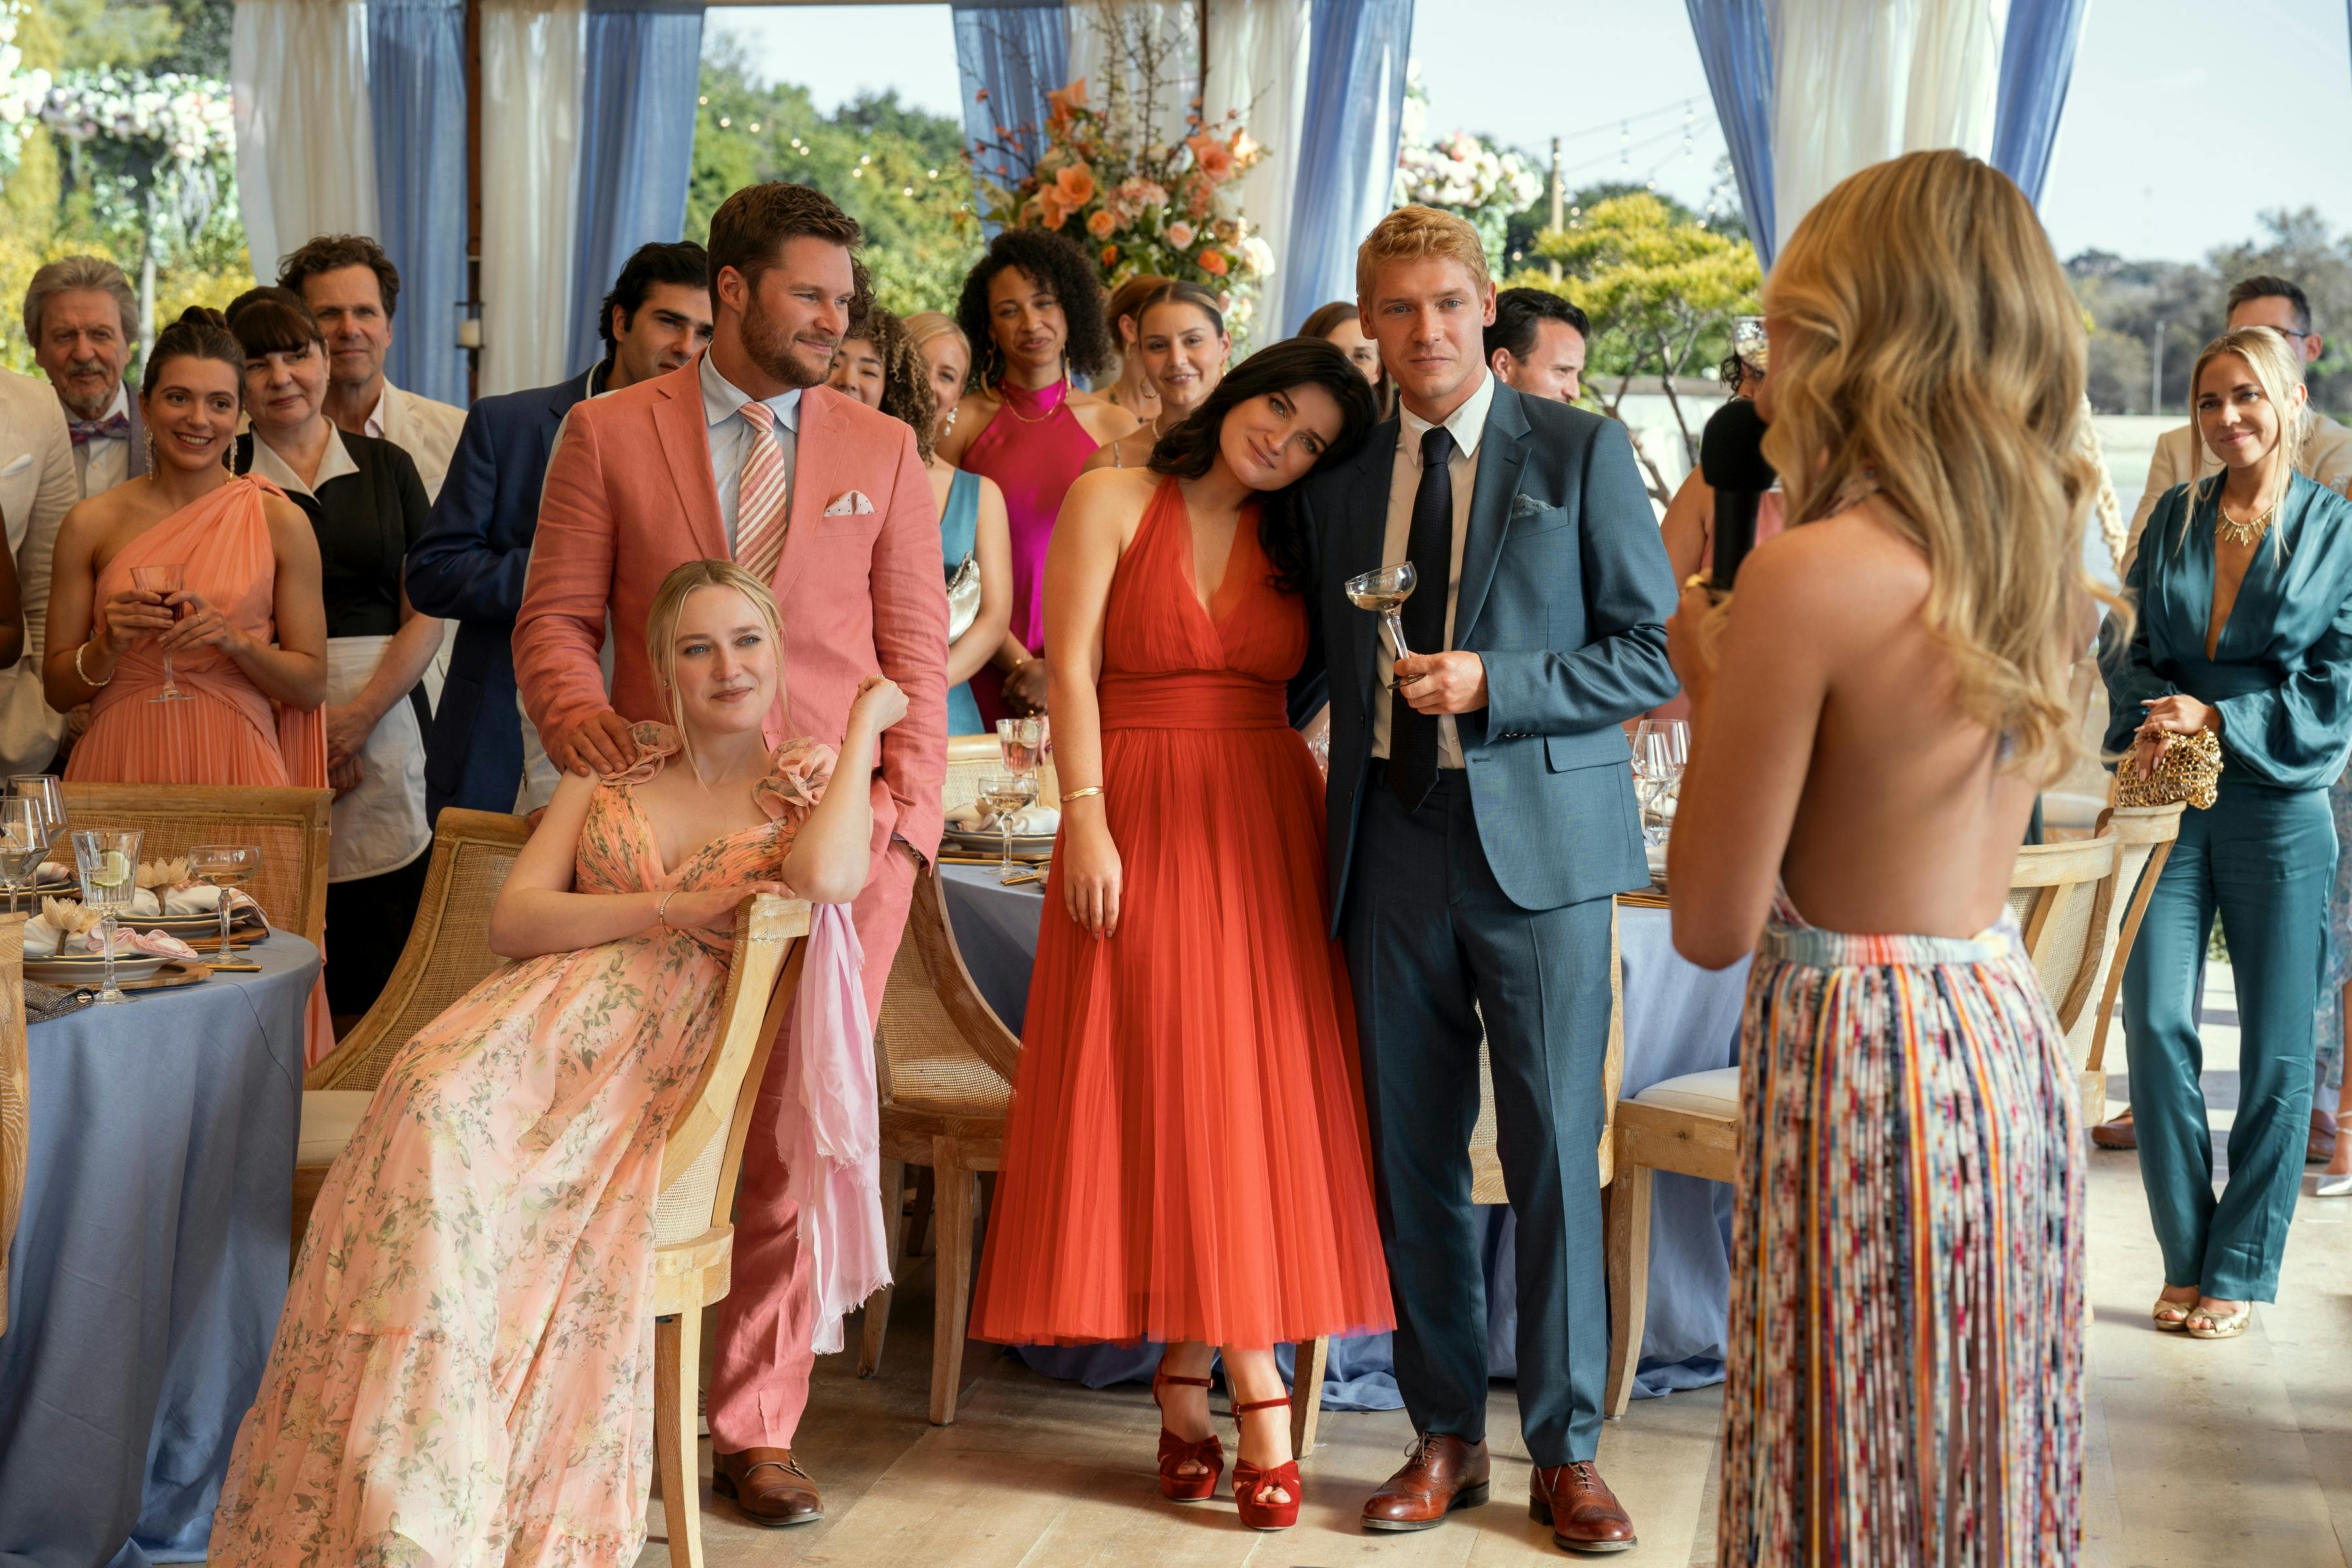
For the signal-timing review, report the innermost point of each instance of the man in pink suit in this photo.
(745, 455)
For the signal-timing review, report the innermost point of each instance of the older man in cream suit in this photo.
(745, 455)
(38, 484)
(2326, 456)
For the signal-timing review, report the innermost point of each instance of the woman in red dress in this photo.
(1186, 1159)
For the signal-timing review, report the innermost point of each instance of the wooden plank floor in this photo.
(2238, 1452)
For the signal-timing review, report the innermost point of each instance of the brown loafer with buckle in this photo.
(769, 1486)
(1440, 1475)
(1581, 1509)
(2116, 1132)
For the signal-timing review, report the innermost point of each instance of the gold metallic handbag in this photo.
(963, 596)
(2187, 770)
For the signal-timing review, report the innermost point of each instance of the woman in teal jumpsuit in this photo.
(2278, 688)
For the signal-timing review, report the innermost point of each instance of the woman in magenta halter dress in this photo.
(1033, 311)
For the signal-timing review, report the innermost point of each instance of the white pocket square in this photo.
(19, 467)
(849, 503)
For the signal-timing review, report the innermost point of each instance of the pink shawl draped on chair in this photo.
(828, 1133)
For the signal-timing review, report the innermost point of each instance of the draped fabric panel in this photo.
(643, 63)
(1098, 32)
(1257, 63)
(417, 82)
(2037, 61)
(531, 189)
(1734, 45)
(1856, 82)
(305, 164)
(1346, 156)
(1015, 54)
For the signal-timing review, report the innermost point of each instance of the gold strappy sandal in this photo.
(2218, 1325)
(2178, 1321)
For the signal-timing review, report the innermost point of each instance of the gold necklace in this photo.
(2250, 532)
(1006, 403)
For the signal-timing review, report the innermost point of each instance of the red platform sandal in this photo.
(1176, 1452)
(1251, 1483)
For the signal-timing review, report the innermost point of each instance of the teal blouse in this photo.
(2280, 672)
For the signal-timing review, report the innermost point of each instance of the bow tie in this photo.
(113, 427)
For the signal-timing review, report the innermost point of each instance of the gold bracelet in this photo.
(1019, 665)
(79, 670)
(661, 910)
(1070, 794)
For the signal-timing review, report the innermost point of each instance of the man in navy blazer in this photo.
(470, 565)
(1481, 818)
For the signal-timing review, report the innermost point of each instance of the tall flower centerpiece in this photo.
(1144, 205)
(1462, 174)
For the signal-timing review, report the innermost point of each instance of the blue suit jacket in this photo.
(469, 567)
(1565, 593)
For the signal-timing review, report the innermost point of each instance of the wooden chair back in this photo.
(703, 1155)
(1485, 1164)
(449, 948)
(2061, 894)
(288, 824)
(16, 1094)
(941, 1047)
(2145, 835)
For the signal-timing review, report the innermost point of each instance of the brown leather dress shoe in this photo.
(2116, 1132)
(1581, 1509)
(1440, 1475)
(769, 1486)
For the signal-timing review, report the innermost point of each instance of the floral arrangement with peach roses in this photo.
(1143, 208)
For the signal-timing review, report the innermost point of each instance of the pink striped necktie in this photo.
(761, 500)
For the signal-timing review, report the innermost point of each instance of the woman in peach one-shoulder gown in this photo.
(464, 1374)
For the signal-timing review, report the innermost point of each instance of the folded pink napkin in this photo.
(829, 1131)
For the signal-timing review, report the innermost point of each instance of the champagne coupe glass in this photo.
(224, 866)
(109, 863)
(49, 794)
(164, 581)
(1748, 342)
(1007, 794)
(21, 843)
(1384, 592)
(1021, 743)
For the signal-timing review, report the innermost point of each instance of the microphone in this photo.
(1731, 460)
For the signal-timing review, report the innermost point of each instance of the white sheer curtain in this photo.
(1257, 63)
(1857, 81)
(305, 140)
(534, 54)
(1101, 32)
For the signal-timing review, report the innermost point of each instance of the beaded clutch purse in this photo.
(2187, 770)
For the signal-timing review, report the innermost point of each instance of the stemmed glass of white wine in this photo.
(109, 863)
(1384, 592)
(224, 866)
(1661, 748)
(1007, 794)
(22, 842)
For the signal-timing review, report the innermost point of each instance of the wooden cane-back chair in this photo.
(2144, 838)
(1690, 1125)
(447, 953)
(16, 1094)
(944, 1067)
(694, 1230)
(287, 823)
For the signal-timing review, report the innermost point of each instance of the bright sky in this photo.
(2151, 161)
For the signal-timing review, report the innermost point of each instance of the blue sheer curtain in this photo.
(416, 92)
(1355, 54)
(1016, 54)
(2037, 60)
(643, 62)
(1735, 45)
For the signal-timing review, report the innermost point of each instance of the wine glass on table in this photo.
(1007, 794)
(1661, 748)
(1021, 743)
(21, 844)
(1383, 593)
(163, 582)
(224, 867)
(109, 863)
(49, 793)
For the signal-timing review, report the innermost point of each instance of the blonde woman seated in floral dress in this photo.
(464, 1374)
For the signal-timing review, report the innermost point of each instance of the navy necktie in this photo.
(1412, 737)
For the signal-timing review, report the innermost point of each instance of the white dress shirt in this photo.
(721, 399)
(333, 464)
(1466, 425)
(104, 461)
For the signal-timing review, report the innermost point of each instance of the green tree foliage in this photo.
(898, 170)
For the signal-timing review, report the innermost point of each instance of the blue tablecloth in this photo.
(1679, 1019)
(149, 1262)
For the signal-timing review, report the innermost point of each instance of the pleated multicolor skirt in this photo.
(1905, 1376)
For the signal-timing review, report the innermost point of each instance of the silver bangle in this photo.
(79, 670)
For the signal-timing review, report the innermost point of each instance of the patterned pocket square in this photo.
(849, 503)
(1526, 506)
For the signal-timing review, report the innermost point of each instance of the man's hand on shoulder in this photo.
(600, 743)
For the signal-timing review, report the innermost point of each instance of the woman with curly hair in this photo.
(884, 364)
(1033, 309)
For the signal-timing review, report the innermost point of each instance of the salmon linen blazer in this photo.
(629, 497)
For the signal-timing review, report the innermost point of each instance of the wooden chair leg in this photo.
(677, 1370)
(878, 1306)
(1307, 1395)
(919, 1218)
(1625, 1221)
(951, 1277)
